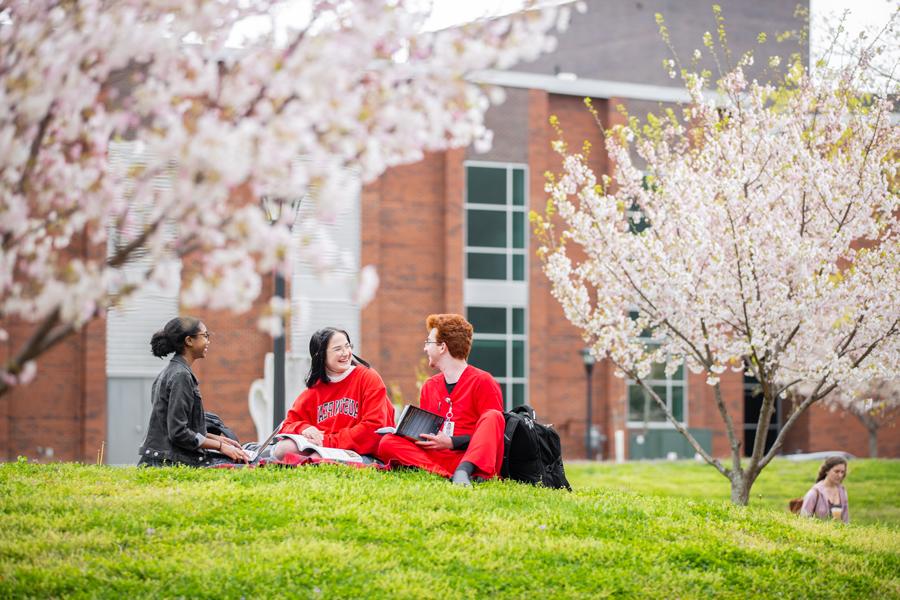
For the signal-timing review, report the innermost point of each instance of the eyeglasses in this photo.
(205, 334)
(344, 348)
(432, 342)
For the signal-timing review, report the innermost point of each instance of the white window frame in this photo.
(509, 209)
(668, 383)
(508, 337)
(507, 294)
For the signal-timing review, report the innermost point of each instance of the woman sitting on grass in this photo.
(345, 400)
(177, 432)
(828, 497)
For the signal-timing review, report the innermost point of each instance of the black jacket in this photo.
(177, 423)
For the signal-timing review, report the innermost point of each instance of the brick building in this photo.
(448, 234)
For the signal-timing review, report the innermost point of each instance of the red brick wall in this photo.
(557, 378)
(44, 418)
(413, 234)
(61, 415)
(821, 429)
(235, 359)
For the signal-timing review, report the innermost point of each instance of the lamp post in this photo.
(273, 206)
(589, 361)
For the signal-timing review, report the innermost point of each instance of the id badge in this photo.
(448, 428)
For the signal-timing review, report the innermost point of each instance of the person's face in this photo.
(338, 353)
(198, 344)
(433, 348)
(836, 474)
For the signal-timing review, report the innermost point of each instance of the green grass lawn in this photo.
(637, 530)
(873, 486)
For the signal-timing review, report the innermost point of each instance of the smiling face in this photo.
(338, 354)
(198, 344)
(836, 474)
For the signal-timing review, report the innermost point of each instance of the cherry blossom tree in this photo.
(354, 84)
(755, 229)
(876, 405)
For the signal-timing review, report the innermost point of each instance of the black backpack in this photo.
(531, 451)
(215, 425)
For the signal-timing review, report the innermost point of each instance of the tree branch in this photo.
(35, 150)
(678, 426)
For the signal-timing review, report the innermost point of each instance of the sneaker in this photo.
(460, 477)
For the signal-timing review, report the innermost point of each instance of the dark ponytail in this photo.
(318, 347)
(170, 338)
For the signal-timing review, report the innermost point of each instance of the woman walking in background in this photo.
(828, 497)
(177, 431)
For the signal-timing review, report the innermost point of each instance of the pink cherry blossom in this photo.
(132, 125)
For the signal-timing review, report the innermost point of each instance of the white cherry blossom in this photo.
(772, 243)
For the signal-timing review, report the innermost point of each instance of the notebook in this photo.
(306, 447)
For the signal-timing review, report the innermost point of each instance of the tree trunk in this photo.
(740, 488)
(873, 442)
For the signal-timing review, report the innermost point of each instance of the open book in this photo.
(415, 421)
(307, 447)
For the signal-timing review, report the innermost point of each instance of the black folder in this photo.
(415, 421)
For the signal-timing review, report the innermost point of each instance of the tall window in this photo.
(499, 348)
(642, 408)
(496, 291)
(495, 223)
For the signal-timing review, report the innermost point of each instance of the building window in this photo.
(496, 286)
(495, 222)
(642, 408)
(636, 219)
(499, 348)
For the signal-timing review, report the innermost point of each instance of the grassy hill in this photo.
(637, 530)
(873, 486)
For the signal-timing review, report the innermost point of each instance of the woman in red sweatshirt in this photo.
(345, 400)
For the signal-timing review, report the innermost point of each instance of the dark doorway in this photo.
(753, 400)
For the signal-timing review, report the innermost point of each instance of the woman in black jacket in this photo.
(177, 432)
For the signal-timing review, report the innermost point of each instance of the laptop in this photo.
(259, 451)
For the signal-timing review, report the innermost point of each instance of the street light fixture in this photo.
(589, 361)
(273, 206)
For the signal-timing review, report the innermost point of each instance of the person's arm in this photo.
(221, 444)
(224, 439)
(298, 418)
(845, 502)
(427, 398)
(488, 396)
(181, 400)
(808, 508)
(375, 411)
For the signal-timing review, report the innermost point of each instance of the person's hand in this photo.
(235, 453)
(441, 441)
(313, 435)
(228, 441)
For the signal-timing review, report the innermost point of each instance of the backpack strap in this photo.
(512, 421)
(525, 410)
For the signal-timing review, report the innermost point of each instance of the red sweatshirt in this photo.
(474, 393)
(347, 412)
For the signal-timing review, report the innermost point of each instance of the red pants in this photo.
(485, 450)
